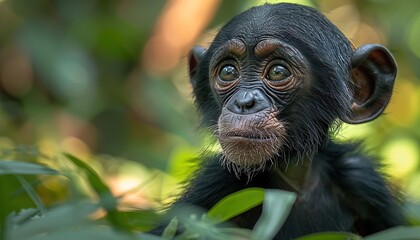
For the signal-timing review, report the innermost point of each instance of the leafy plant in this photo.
(102, 219)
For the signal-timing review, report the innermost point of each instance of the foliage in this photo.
(87, 218)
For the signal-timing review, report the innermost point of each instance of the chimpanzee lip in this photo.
(246, 136)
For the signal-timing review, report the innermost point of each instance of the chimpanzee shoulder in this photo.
(363, 189)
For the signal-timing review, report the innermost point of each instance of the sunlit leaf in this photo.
(95, 182)
(276, 208)
(107, 199)
(16, 167)
(331, 236)
(141, 220)
(236, 203)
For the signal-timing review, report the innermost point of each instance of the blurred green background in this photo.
(107, 81)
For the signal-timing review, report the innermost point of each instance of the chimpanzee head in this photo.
(277, 78)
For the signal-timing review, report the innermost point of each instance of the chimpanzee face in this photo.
(273, 88)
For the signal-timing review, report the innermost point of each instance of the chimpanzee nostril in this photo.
(247, 101)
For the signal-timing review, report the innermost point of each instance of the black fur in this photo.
(345, 194)
(342, 190)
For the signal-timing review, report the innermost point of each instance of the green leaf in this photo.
(22, 216)
(170, 230)
(16, 167)
(146, 236)
(94, 180)
(108, 202)
(412, 213)
(396, 233)
(331, 236)
(57, 218)
(276, 208)
(236, 233)
(236, 203)
(141, 220)
(87, 232)
(32, 194)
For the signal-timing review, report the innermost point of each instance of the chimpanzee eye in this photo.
(277, 73)
(228, 73)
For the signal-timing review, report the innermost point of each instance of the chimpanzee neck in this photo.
(294, 175)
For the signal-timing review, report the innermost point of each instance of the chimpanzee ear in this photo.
(194, 58)
(373, 73)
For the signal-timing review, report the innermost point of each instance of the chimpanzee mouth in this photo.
(246, 136)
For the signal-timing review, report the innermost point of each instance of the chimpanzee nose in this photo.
(247, 102)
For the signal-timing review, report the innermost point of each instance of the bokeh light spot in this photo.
(403, 107)
(179, 25)
(16, 74)
(181, 164)
(75, 146)
(348, 131)
(413, 35)
(401, 157)
(261, 2)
